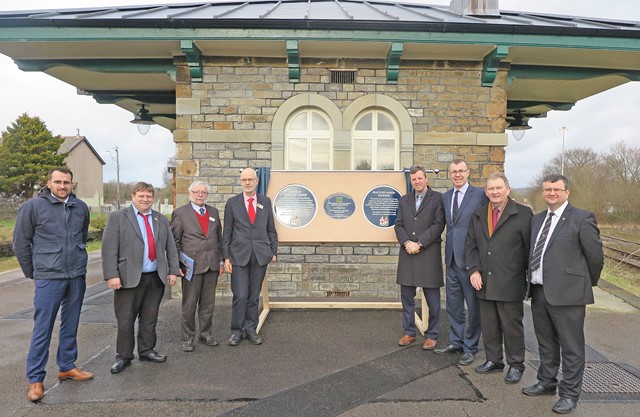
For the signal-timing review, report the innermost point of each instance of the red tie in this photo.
(150, 240)
(495, 218)
(252, 211)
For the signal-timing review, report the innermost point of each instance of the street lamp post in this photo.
(118, 178)
(563, 129)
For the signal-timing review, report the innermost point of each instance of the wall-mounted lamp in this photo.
(143, 120)
(518, 125)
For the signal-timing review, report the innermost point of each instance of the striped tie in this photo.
(537, 251)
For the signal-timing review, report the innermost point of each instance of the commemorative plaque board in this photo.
(336, 206)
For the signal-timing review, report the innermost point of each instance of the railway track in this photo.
(622, 250)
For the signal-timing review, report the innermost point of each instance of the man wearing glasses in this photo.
(249, 243)
(565, 263)
(198, 233)
(459, 204)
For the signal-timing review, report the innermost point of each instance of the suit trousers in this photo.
(559, 330)
(246, 282)
(502, 321)
(51, 296)
(198, 294)
(141, 303)
(408, 298)
(465, 331)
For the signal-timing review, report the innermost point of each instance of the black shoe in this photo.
(565, 405)
(488, 367)
(466, 359)
(448, 349)
(235, 340)
(187, 346)
(254, 339)
(539, 389)
(154, 357)
(209, 340)
(513, 376)
(119, 366)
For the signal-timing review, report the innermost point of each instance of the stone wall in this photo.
(225, 124)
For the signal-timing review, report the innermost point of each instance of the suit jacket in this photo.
(240, 237)
(503, 258)
(206, 250)
(573, 259)
(457, 231)
(424, 225)
(123, 247)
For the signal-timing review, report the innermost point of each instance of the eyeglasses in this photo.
(200, 192)
(552, 190)
(459, 171)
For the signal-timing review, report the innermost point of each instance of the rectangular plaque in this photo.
(336, 206)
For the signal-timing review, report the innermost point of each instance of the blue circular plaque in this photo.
(339, 206)
(380, 206)
(295, 206)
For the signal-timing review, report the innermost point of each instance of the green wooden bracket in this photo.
(393, 62)
(194, 59)
(491, 64)
(293, 60)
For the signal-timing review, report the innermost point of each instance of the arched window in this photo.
(375, 136)
(308, 144)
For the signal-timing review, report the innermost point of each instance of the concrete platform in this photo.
(312, 363)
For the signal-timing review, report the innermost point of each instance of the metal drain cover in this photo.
(609, 378)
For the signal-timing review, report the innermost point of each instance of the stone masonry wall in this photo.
(238, 99)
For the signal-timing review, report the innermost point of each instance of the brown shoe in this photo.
(36, 392)
(429, 344)
(75, 374)
(406, 340)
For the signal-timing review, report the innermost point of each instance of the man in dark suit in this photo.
(197, 230)
(459, 204)
(419, 227)
(497, 255)
(139, 258)
(249, 243)
(565, 263)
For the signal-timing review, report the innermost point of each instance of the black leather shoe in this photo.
(120, 364)
(154, 357)
(488, 367)
(254, 339)
(513, 376)
(235, 340)
(448, 349)
(466, 359)
(209, 340)
(565, 405)
(539, 389)
(187, 346)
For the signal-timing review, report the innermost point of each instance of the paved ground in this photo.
(313, 363)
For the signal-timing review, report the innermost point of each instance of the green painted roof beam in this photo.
(393, 62)
(293, 60)
(523, 104)
(539, 72)
(133, 66)
(152, 97)
(491, 63)
(194, 59)
(76, 34)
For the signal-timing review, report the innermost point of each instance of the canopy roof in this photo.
(125, 55)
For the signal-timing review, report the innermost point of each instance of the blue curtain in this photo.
(407, 177)
(264, 173)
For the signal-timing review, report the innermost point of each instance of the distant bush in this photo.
(98, 221)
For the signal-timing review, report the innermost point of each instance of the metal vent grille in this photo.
(343, 76)
(609, 378)
(338, 293)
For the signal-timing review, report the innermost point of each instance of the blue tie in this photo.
(418, 201)
(455, 206)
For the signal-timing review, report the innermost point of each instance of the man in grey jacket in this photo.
(49, 241)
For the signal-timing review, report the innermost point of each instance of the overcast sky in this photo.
(596, 122)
